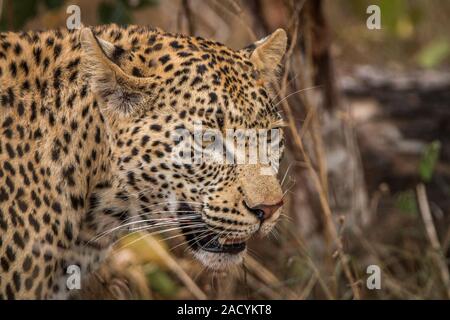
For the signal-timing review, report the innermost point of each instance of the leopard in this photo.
(87, 121)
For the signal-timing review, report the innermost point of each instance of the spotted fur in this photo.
(85, 140)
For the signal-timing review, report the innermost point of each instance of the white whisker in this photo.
(295, 92)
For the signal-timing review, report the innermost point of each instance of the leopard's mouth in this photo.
(212, 249)
(209, 241)
(214, 244)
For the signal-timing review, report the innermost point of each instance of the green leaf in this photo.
(160, 282)
(429, 159)
(434, 53)
(392, 11)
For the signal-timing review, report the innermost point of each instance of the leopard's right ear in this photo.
(121, 92)
(266, 54)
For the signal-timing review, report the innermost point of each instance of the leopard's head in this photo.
(173, 105)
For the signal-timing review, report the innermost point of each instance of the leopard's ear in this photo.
(122, 93)
(266, 54)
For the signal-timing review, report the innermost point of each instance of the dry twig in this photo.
(176, 268)
(432, 236)
(267, 276)
(320, 185)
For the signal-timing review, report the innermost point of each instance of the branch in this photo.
(432, 236)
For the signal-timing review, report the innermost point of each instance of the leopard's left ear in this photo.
(266, 54)
(121, 93)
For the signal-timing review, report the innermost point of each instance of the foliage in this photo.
(160, 281)
(434, 53)
(16, 14)
(408, 28)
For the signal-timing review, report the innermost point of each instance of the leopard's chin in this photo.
(219, 260)
(220, 254)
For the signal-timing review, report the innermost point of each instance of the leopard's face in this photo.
(174, 125)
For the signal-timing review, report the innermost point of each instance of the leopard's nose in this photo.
(265, 211)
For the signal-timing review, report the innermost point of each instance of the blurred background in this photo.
(366, 174)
